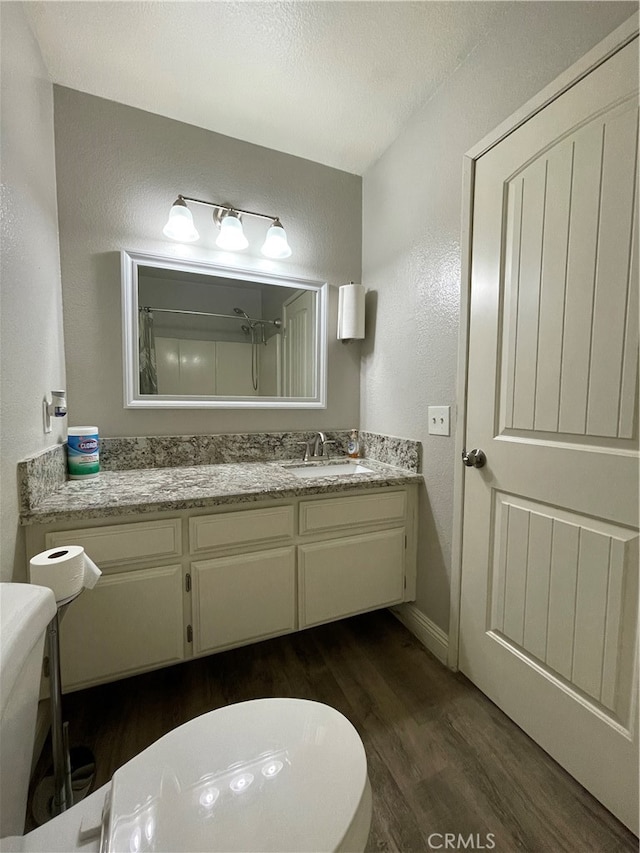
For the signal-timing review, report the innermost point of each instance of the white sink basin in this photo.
(311, 470)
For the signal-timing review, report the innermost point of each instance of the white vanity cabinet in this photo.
(251, 595)
(243, 598)
(341, 574)
(186, 584)
(134, 618)
(345, 576)
(131, 622)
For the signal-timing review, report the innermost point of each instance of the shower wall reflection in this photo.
(209, 336)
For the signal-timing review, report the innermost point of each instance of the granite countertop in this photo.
(119, 493)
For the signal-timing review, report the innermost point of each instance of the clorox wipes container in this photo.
(83, 452)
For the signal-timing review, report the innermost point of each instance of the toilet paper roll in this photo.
(66, 570)
(351, 312)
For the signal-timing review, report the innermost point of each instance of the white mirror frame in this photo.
(130, 261)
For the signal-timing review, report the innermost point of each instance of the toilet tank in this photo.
(25, 611)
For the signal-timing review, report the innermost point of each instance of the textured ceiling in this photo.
(333, 82)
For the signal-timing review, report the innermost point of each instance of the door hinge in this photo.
(405, 583)
(189, 634)
(187, 582)
(405, 541)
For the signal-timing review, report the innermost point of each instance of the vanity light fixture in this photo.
(180, 223)
(275, 244)
(229, 221)
(231, 236)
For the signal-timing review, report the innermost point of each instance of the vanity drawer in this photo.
(124, 543)
(343, 513)
(228, 529)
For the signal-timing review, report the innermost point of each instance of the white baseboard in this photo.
(429, 634)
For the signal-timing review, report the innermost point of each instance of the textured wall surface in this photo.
(119, 170)
(31, 350)
(411, 245)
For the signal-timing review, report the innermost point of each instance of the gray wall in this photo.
(411, 245)
(31, 349)
(119, 169)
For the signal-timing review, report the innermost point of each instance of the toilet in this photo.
(265, 775)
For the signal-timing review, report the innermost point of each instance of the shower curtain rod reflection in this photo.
(277, 322)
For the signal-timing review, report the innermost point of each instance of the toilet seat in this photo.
(268, 774)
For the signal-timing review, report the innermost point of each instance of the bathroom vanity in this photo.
(200, 559)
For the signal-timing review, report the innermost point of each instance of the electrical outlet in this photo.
(439, 420)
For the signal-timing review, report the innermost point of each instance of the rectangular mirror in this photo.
(198, 335)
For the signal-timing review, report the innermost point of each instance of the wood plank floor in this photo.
(442, 758)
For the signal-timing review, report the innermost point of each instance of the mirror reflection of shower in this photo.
(191, 338)
(252, 330)
(255, 328)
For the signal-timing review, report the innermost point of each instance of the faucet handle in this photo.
(325, 448)
(307, 449)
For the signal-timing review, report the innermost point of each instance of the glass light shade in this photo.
(180, 224)
(231, 236)
(275, 244)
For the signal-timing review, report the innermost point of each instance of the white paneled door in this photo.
(549, 607)
(299, 318)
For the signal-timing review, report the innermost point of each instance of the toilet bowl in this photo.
(264, 775)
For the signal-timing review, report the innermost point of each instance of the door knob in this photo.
(474, 458)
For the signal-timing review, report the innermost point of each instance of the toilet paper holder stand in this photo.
(63, 794)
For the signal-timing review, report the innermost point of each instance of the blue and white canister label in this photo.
(83, 455)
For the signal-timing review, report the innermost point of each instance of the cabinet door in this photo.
(341, 577)
(129, 623)
(243, 598)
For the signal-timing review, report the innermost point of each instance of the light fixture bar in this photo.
(228, 208)
(228, 219)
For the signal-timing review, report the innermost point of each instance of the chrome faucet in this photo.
(316, 448)
(318, 444)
